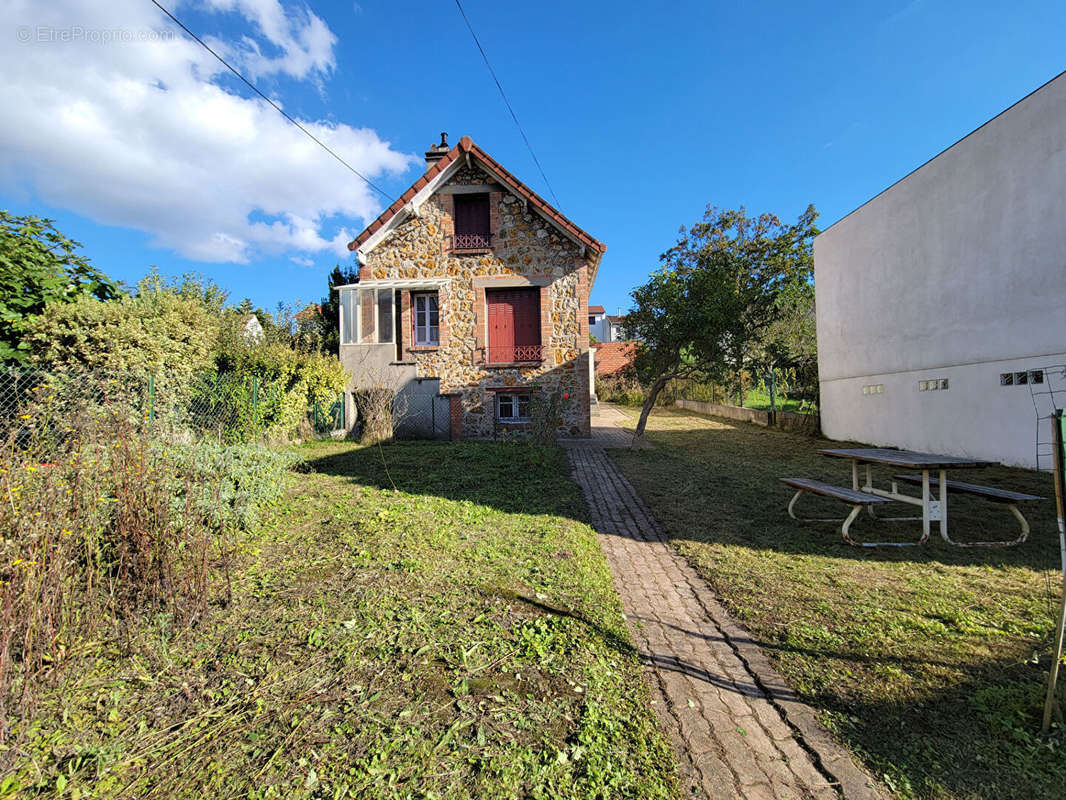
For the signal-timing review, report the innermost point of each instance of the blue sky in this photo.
(640, 116)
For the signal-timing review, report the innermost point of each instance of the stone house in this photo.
(472, 303)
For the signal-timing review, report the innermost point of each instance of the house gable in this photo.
(489, 292)
(442, 176)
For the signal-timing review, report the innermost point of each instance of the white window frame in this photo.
(427, 328)
(357, 291)
(512, 399)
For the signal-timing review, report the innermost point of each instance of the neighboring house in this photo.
(614, 329)
(613, 357)
(252, 329)
(598, 322)
(308, 313)
(472, 302)
(941, 299)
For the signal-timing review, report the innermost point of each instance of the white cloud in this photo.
(111, 114)
(305, 41)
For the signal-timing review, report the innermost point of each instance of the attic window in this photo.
(472, 229)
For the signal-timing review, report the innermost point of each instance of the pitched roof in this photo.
(615, 319)
(613, 357)
(466, 146)
(597, 310)
(309, 311)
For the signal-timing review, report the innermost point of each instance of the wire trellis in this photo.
(1047, 387)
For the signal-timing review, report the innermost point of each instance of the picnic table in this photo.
(934, 504)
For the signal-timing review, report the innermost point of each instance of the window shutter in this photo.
(514, 325)
(472, 227)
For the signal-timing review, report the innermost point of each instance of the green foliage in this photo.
(286, 384)
(231, 484)
(622, 388)
(330, 306)
(457, 638)
(180, 332)
(169, 330)
(716, 291)
(38, 266)
(105, 524)
(790, 340)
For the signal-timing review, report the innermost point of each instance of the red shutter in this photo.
(514, 325)
(472, 221)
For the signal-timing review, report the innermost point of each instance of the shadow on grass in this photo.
(525, 477)
(921, 657)
(948, 709)
(721, 485)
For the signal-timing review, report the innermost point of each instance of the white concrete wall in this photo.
(599, 327)
(957, 271)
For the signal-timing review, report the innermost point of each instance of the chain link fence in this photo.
(769, 390)
(223, 407)
(420, 411)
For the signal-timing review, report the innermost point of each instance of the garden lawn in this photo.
(920, 659)
(456, 636)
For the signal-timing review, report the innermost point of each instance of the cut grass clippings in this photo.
(457, 636)
(922, 660)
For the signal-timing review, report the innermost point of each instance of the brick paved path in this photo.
(738, 729)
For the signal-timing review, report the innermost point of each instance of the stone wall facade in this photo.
(526, 251)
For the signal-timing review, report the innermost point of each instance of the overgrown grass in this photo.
(102, 523)
(923, 660)
(458, 636)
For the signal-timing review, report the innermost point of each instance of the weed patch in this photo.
(424, 641)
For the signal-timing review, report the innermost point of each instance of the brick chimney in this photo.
(437, 151)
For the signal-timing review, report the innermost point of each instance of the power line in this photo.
(277, 108)
(492, 72)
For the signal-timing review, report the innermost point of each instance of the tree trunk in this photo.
(649, 402)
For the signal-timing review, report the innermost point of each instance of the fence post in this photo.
(151, 398)
(1059, 464)
(773, 406)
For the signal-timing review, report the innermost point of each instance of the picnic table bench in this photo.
(934, 509)
(990, 493)
(856, 499)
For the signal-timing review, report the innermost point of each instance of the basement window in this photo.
(513, 406)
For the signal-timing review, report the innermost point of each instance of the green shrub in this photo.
(159, 331)
(229, 484)
(622, 388)
(287, 384)
(104, 521)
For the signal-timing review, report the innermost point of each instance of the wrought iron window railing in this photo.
(471, 241)
(508, 354)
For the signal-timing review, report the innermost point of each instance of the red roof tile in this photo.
(613, 357)
(597, 310)
(466, 145)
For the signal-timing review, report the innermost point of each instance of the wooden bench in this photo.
(856, 499)
(990, 493)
